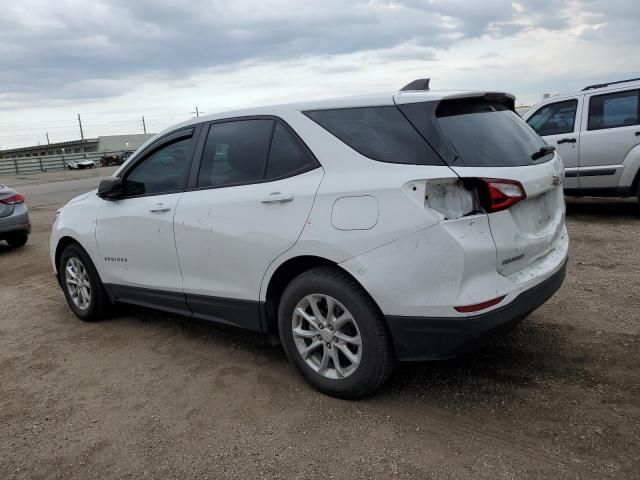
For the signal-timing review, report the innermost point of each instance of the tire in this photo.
(374, 354)
(17, 239)
(98, 305)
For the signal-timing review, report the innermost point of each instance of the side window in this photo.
(380, 133)
(163, 171)
(235, 153)
(288, 155)
(555, 118)
(613, 110)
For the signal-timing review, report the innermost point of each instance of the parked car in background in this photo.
(597, 133)
(15, 225)
(111, 160)
(364, 230)
(80, 164)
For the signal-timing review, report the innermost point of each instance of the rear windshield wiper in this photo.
(544, 150)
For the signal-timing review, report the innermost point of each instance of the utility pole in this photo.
(48, 142)
(144, 125)
(81, 136)
(197, 112)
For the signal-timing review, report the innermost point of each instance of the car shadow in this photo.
(6, 249)
(603, 207)
(518, 360)
(530, 354)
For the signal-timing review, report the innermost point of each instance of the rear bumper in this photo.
(17, 223)
(431, 338)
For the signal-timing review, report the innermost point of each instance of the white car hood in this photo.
(79, 198)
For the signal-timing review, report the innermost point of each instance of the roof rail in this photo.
(420, 84)
(602, 85)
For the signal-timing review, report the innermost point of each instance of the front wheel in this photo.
(334, 333)
(82, 285)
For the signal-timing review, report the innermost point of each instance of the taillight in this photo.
(17, 198)
(497, 194)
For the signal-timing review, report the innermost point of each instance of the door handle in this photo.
(567, 140)
(159, 207)
(637, 134)
(277, 197)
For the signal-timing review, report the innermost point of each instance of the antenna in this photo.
(420, 84)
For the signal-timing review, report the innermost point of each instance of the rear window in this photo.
(380, 133)
(486, 134)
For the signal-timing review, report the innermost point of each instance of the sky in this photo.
(113, 61)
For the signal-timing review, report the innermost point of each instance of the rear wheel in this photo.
(17, 239)
(334, 333)
(81, 284)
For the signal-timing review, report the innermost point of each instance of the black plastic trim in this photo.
(173, 302)
(600, 192)
(595, 172)
(228, 311)
(246, 314)
(432, 338)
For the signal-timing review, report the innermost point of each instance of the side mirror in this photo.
(111, 188)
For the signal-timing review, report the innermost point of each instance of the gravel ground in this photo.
(149, 395)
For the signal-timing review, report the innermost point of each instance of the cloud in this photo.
(60, 49)
(160, 55)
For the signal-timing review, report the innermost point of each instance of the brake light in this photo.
(17, 198)
(479, 306)
(498, 194)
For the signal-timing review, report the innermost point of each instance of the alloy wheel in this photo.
(77, 280)
(326, 336)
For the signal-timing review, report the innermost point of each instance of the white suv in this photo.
(597, 132)
(361, 230)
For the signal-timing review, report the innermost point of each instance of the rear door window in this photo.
(379, 133)
(287, 156)
(235, 153)
(613, 110)
(555, 118)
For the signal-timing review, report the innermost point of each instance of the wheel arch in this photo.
(63, 243)
(631, 173)
(283, 275)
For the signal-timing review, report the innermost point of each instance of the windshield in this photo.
(486, 134)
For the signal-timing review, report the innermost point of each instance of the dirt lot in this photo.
(147, 395)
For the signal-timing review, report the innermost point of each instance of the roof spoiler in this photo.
(506, 99)
(419, 84)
